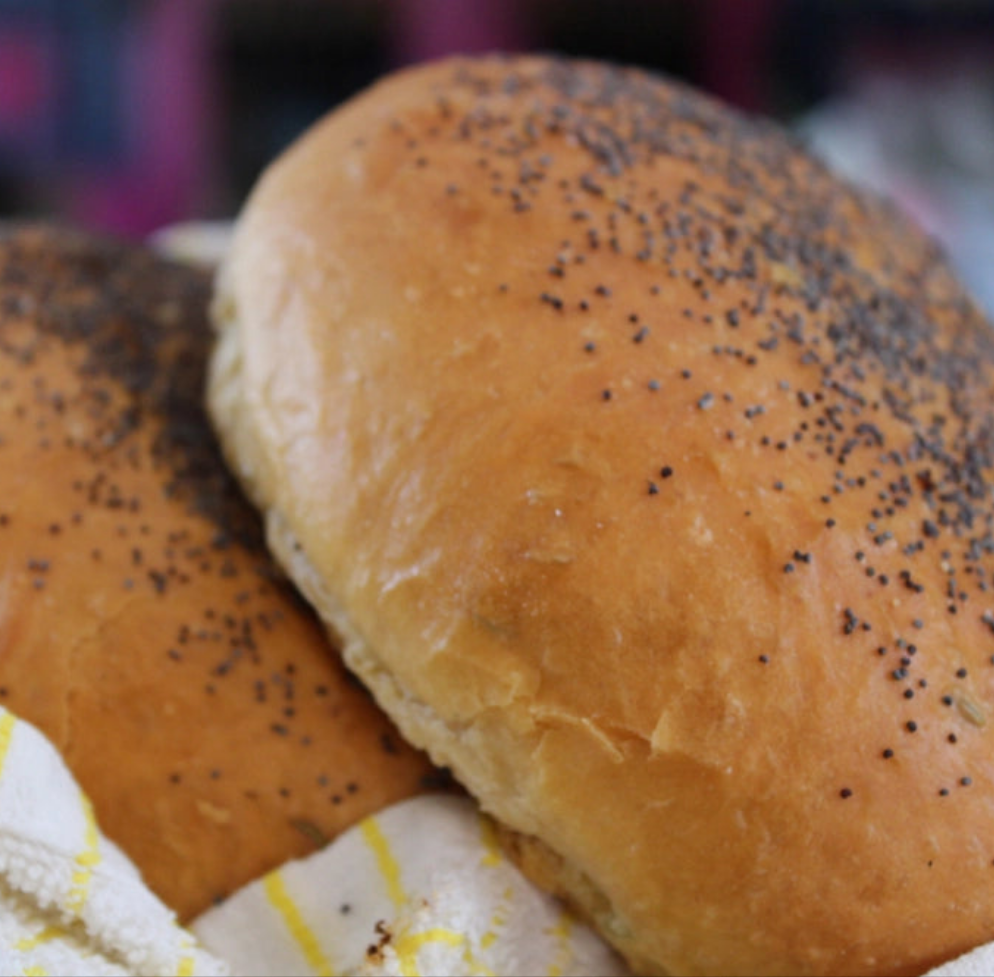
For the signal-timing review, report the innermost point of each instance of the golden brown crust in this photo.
(646, 469)
(142, 625)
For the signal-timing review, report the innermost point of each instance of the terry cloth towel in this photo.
(70, 901)
(421, 888)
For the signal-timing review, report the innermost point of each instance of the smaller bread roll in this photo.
(647, 470)
(143, 627)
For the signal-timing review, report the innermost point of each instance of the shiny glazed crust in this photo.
(645, 470)
(143, 626)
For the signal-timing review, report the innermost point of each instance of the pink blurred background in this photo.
(128, 115)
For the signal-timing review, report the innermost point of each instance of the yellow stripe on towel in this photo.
(561, 932)
(386, 861)
(186, 967)
(86, 860)
(407, 946)
(7, 723)
(491, 846)
(45, 935)
(281, 900)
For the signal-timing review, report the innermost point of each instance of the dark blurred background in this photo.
(128, 115)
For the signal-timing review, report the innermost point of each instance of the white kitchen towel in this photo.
(421, 888)
(70, 901)
(976, 963)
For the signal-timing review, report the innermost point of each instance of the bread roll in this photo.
(142, 626)
(645, 469)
